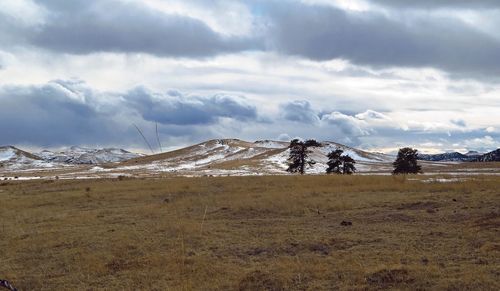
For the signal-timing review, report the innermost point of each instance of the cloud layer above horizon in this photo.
(376, 74)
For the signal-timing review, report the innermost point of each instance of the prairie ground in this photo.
(252, 233)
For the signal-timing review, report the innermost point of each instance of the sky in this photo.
(372, 74)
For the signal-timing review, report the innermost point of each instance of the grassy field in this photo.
(251, 233)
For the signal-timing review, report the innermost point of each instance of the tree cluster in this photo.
(299, 158)
(338, 163)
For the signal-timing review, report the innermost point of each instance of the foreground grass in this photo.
(251, 233)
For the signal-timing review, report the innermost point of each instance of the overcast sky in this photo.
(374, 74)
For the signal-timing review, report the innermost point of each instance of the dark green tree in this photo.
(340, 164)
(348, 167)
(406, 162)
(299, 157)
(312, 143)
(334, 162)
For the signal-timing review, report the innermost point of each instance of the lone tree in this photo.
(299, 156)
(340, 164)
(406, 162)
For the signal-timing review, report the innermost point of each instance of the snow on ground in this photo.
(444, 180)
(270, 144)
(79, 155)
(7, 154)
(277, 162)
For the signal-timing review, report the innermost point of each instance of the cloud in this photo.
(459, 122)
(449, 4)
(312, 30)
(372, 115)
(82, 27)
(67, 112)
(284, 137)
(51, 114)
(350, 125)
(379, 40)
(177, 109)
(299, 111)
(485, 143)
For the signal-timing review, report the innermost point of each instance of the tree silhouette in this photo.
(348, 165)
(299, 157)
(406, 162)
(334, 162)
(340, 164)
(312, 143)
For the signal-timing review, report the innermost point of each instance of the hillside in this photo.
(81, 155)
(14, 158)
(493, 156)
(450, 157)
(233, 156)
(220, 157)
(471, 156)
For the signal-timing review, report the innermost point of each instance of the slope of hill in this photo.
(80, 155)
(471, 156)
(233, 156)
(493, 156)
(12, 157)
(450, 157)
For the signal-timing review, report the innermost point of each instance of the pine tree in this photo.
(312, 143)
(299, 157)
(406, 162)
(348, 165)
(334, 162)
(340, 164)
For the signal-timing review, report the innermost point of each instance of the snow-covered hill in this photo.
(233, 156)
(213, 157)
(493, 156)
(80, 155)
(450, 157)
(14, 158)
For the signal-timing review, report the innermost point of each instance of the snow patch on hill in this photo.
(6, 154)
(80, 155)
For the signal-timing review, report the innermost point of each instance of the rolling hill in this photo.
(218, 157)
(233, 156)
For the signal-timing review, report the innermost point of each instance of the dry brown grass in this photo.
(248, 233)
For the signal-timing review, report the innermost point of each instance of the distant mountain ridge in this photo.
(214, 157)
(17, 159)
(471, 156)
(447, 157)
(87, 156)
(493, 156)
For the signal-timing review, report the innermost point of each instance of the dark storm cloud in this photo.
(69, 112)
(177, 109)
(317, 32)
(369, 38)
(450, 4)
(299, 111)
(82, 27)
(51, 114)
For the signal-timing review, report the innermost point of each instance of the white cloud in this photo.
(490, 129)
(349, 125)
(483, 143)
(25, 12)
(224, 16)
